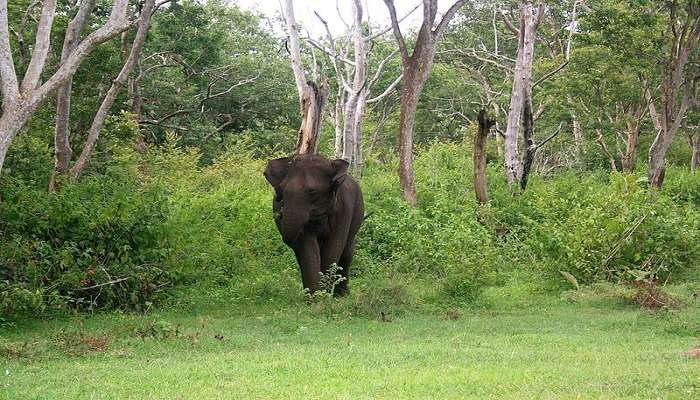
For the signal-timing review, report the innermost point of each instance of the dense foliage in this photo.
(149, 229)
(174, 198)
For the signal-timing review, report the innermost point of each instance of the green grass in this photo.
(549, 348)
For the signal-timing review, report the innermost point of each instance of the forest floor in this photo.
(563, 348)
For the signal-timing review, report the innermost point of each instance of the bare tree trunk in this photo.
(337, 121)
(530, 146)
(480, 187)
(522, 86)
(604, 146)
(312, 97)
(629, 157)
(695, 146)
(62, 150)
(8, 130)
(416, 70)
(20, 102)
(111, 96)
(677, 87)
(313, 101)
(359, 116)
(409, 104)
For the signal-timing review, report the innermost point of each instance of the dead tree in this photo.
(21, 100)
(677, 85)
(520, 110)
(354, 84)
(416, 70)
(480, 187)
(312, 95)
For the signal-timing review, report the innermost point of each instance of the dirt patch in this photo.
(80, 343)
(452, 314)
(693, 353)
(650, 296)
(10, 350)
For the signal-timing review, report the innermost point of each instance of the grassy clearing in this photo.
(586, 346)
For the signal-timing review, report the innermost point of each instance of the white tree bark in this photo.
(312, 96)
(522, 85)
(358, 83)
(20, 105)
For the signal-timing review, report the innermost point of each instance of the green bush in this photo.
(96, 244)
(165, 219)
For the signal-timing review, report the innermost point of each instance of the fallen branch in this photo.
(104, 284)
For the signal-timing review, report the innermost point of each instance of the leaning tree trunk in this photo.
(111, 96)
(678, 84)
(661, 144)
(21, 102)
(480, 138)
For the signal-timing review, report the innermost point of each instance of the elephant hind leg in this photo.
(345, 260)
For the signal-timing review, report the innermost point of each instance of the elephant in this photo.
(318, 209)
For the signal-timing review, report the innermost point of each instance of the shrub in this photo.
(96, 244)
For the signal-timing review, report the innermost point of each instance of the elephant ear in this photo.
(340, 168)
(276, 171)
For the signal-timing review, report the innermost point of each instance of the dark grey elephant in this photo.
(318, 209)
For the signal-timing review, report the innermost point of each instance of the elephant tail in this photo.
(367, 216)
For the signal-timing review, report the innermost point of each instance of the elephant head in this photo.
(305, 187)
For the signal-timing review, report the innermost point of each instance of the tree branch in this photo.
(386, 91)
(447, 17)
(41, 47)
(116, 23)
(397, 30)
(550, 74)
(388, 28)
(8, 76)
(509, 24)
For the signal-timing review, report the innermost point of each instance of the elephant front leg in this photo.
(309, 259)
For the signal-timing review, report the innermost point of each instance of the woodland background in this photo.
(131, 204)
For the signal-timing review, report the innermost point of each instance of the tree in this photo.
(354, 86)
(135, 52)
(520, 110)
(21, 100)
(416, 70)
(678, 84)
(482, 133)
(62, 149)
(312, 95)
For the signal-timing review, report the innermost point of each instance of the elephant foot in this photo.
(341, 291)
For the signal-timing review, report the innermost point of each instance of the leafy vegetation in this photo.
(159, 272)
(152, 230)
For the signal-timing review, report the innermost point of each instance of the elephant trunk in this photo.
(291, 226)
